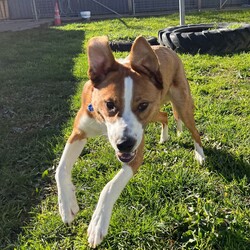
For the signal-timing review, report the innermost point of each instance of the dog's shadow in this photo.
(221, 161)
(228, 165)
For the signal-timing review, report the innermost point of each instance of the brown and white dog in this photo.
(119, 100)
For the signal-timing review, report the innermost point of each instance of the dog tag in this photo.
(90, 108)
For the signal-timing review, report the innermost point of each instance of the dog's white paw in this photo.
(68, 206)
(199, 157)
(179, 127)
(98, 228)
(164, 139)
(198, 153)
(179, 133)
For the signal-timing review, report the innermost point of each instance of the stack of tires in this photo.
(221, 38)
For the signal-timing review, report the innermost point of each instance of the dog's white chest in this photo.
(92, 127)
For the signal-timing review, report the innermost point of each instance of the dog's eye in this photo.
(142, 106)
(110, 106)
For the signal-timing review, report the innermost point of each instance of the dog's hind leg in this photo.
(187, 116)
(178, 121)
(183, 104)
(162, 117)
(68, 206)
(190, 124)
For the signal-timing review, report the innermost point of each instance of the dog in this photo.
(119, 100)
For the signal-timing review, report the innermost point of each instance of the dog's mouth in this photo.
(126, 157)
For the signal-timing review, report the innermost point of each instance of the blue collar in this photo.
(90, 108)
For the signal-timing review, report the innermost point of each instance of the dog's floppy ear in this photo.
(100, 58)
(144, 60)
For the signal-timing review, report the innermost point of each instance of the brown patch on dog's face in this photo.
(146, 98)
(107, 97)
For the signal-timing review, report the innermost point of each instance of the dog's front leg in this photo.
(98, 226)
(99, 223)
(68, 206)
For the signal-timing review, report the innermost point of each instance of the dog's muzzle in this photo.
(125, 146)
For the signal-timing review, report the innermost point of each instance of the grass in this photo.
(172, 203)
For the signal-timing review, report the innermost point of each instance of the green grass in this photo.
(172, 203)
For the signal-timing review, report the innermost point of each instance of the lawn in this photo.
(172, 203)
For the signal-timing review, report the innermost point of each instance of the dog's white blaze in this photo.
(128, 123)
(128, 95)
(99, 223)
(133, 126)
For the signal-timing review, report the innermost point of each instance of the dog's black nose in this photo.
(126, 144)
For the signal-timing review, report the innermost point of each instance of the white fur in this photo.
(68, 206)
(98, 226)
(123, 60)
(179, 127)
(199, 154)
(91, 127)
(164, 134)
(128, 123)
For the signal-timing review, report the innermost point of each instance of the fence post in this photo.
(199, 5)
(4, 10)
(182, 11)
(131, 7)
(222, 3)
(34, 9)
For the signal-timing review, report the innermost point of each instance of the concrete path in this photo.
(19, 25)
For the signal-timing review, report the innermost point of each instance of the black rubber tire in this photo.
(122, 46)
(206, 39)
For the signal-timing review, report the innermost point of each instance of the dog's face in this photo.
(125, 96)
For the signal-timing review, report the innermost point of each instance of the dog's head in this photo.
(126, 96)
